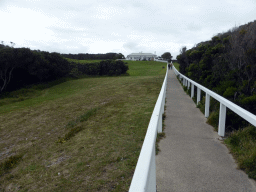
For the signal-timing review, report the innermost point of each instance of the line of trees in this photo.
(99, 56)
(102, 68)
(20, 67)
(226, 64)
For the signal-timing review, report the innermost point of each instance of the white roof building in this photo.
(141, 56)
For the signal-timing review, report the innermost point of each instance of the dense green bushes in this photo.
(99, 56)
(227, 65)
(107, 67)
(20, 67)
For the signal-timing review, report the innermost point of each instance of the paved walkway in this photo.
(192, 158)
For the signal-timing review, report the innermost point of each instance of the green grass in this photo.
(242, 144)
(83, 61)
(177, 66)
(146, 68)
(105, 120)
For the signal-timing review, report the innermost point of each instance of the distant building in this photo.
(141, 56)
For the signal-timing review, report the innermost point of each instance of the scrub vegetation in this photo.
(22, 67)
(82, 134)
(227, 65)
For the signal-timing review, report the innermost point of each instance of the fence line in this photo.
(144, 178)
(224, 103)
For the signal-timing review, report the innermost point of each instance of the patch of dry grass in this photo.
(100, 157)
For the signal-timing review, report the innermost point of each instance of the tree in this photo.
(183, 60)
(8, 62)
(167, 56)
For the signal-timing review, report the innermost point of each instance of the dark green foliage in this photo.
(167, 56)
(230, 92)
(183, 59)
(201, 105)
(21, 66)
(227, 65)
(213, 119)
(87, 56)
(107, 67)
(9, 163)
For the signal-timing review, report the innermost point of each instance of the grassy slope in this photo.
(83, 61)
(242, 144)
(176, 65)
(103, 155)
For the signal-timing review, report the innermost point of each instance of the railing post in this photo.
(159, 123)
(222, 120)
(207, 105)
(198, 95)
(152, 173)
(188, 84)
(192, 90)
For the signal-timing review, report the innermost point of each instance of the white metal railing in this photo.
(251, 118)
(144, 178)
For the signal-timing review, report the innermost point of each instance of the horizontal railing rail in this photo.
(144, 178)
(251, 118)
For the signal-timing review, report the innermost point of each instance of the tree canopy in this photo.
(167, 56)
(99, 56)
(20, 67)
(226, 64)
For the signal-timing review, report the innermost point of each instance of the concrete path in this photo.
(192, 158)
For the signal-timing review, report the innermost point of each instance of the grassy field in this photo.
(79, 135)
(176, 65)
(242, 144)
(82, 61)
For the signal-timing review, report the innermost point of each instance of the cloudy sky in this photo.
(122, 26)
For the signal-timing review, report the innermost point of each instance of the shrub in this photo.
(107, 67)
(242, 144)
(213, 119)
(230, 92)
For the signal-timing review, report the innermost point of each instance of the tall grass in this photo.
(242, 144)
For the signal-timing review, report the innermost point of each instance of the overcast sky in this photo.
(122, 26)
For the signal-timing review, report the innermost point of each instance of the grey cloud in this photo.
(79, 23)
(130, 46)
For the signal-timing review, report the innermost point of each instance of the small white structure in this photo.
(141, 56)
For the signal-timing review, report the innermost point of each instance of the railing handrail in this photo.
(251, 118)
(144, 178)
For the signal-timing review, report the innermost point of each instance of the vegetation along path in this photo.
(191, 157)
